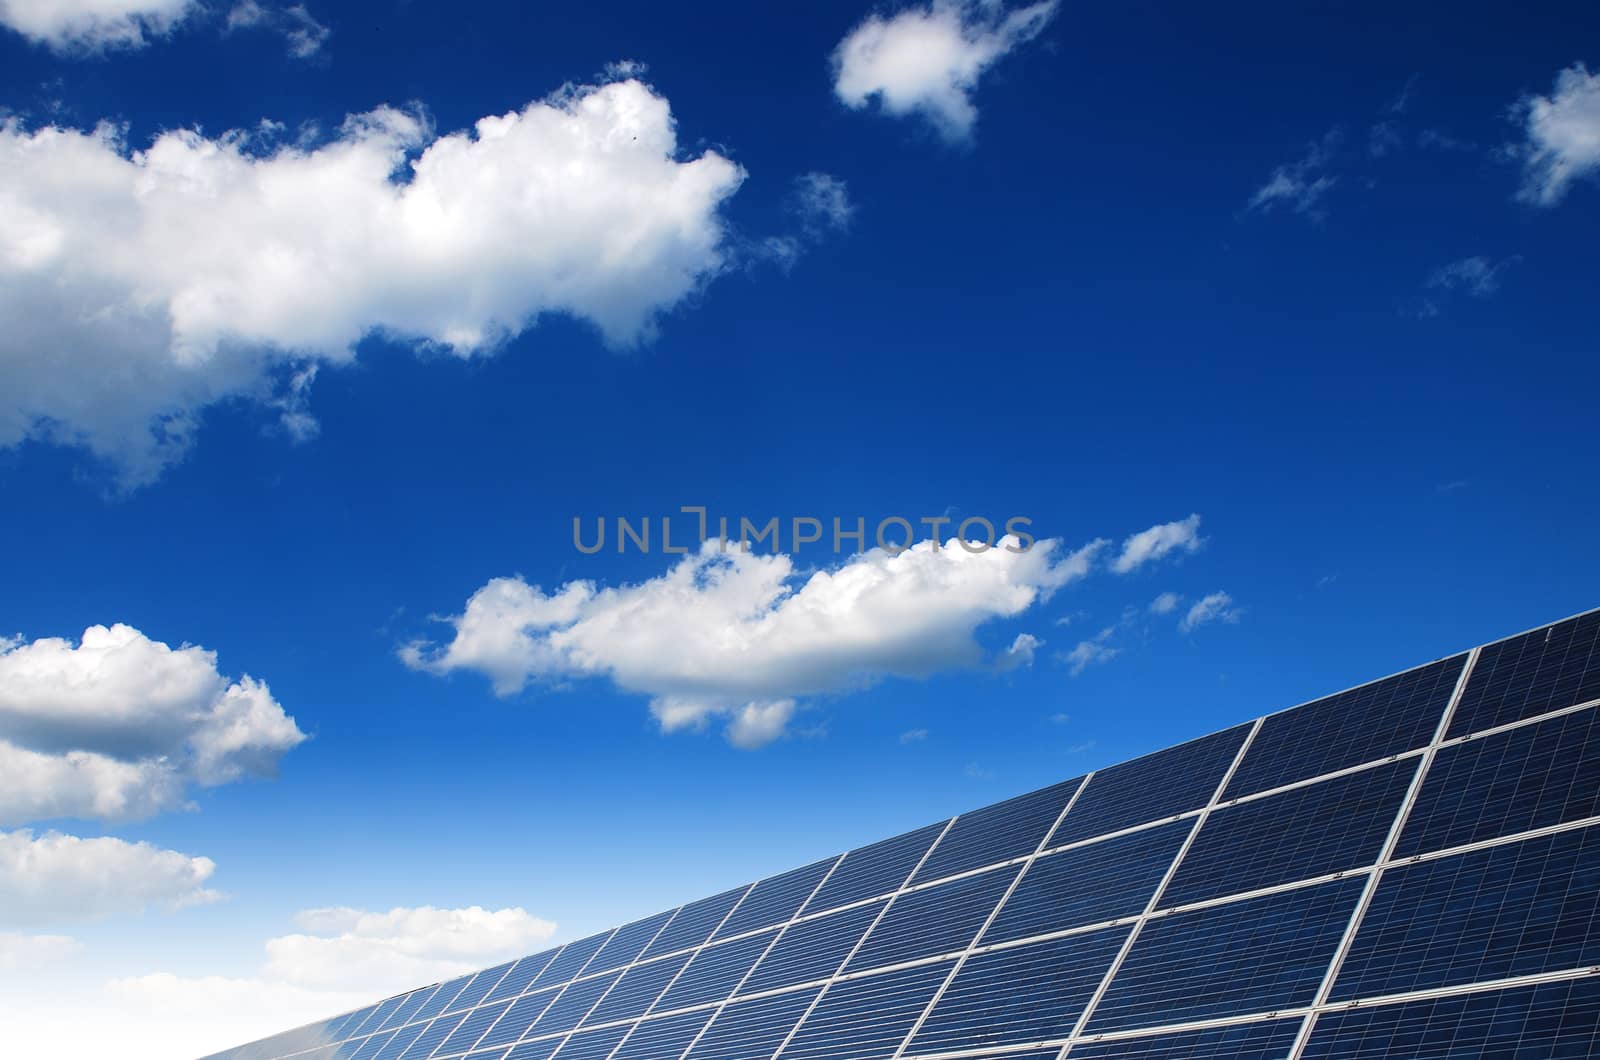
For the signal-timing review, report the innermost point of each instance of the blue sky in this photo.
(1306, 289)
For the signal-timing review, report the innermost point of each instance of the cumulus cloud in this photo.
(139, 287)
(927, 60)
(303, 35)
(1301, 185)
(1087, 653)
(1562, 136)
(1214, 607)
(1165, 604)
(740, 636)
(118, 726)
(1019, 656)
(93, 25)
(52, 878)
(1159, 541)
(19, 951)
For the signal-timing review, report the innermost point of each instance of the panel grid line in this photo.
(626, 968)
(1155, 898)
(1384, 854)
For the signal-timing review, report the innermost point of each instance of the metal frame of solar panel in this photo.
(1408, 868)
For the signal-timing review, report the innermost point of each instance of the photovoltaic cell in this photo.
(570, 962)
(408, 1006)
(441, 998)
(472, 1028)
(573, 1004)
(694, 923)
(715, 971)
(663, 1039)
(1514, 781)
(370, 1048)
(775, 900)
(940, 919)
(401, 1042)
(520, 1016)
(521, 974)
(1089, 884)
(1552, 1020)
(752, 1030)
(996, 833)
(591, 1045)
(1257, 955)
(1147, 789)
(638, 987)
(1299, 834)
(475, 991)
(1523, 677)
(1027, 994)
(629, 941)
(1251, 1041)
(539, 1050)
(1365, 724)
(812, 949)
(865, 1018)
(428, 1041)
(1514, 909)
(875, 870)
(384, 1010)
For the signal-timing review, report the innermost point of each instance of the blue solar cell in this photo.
(752, 1030)
(571, 961)
(940, 919)
(380, 1015)
(520, 1016)
(1089, 884)
(539, 1050)
(521, 975)
(1031, 993)
(566, 1011)
(636, 990)
(401, 1042)
(1388, 717)
(428, 1041)
(866, 1019)
(1151, 788)
(441, 999)
(1523, 677)
(627, 943)
(591, 1045)
(997, 833)
(489, 1054)
(1514, 909)
(1539, 775)
(372, 1046)
(1551, 1021)
(775, 900)
(475, 991)
(407, 1008)
(812, 949)
(344, 1026)
(1257, 955)
(1331, 826)
(663, 1039)
(695, 922)
(472, 1028)
(1250, 1041)
(715, 971)
(874, 870)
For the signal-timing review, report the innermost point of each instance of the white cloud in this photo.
(1090, 652)
(1477, 275)
(823, 204)
(1020, 655)
(738, 635)
(1147, 546)
(1165, 604)
(914, 736)
(303, 35)
(927, 60)
(93, 25)
(1563, 136)
(1215, 607)
(53, 877)
(117, 726)
(1301, 185)
(30, 952)
(136, 289)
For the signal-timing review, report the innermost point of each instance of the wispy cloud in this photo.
(1159, 541)
(1091, 652)
(914, 736)
(1165, 604)
(1302, 185)
(1214, 607)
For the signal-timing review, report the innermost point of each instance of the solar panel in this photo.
(1407, 869)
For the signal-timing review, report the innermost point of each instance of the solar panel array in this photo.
(1407, 869)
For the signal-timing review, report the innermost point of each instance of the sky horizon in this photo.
(336, 332)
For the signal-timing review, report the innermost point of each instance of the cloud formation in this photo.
(139, 287)
(1087, 653)
(1301, 185)
(1476, 276)
(118, 726)
(302, 34)
(1159, 541)
(78, 26)
(52, 878)
(927, 60)
(741, 636)
(1214, 607)
(1562, 136)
